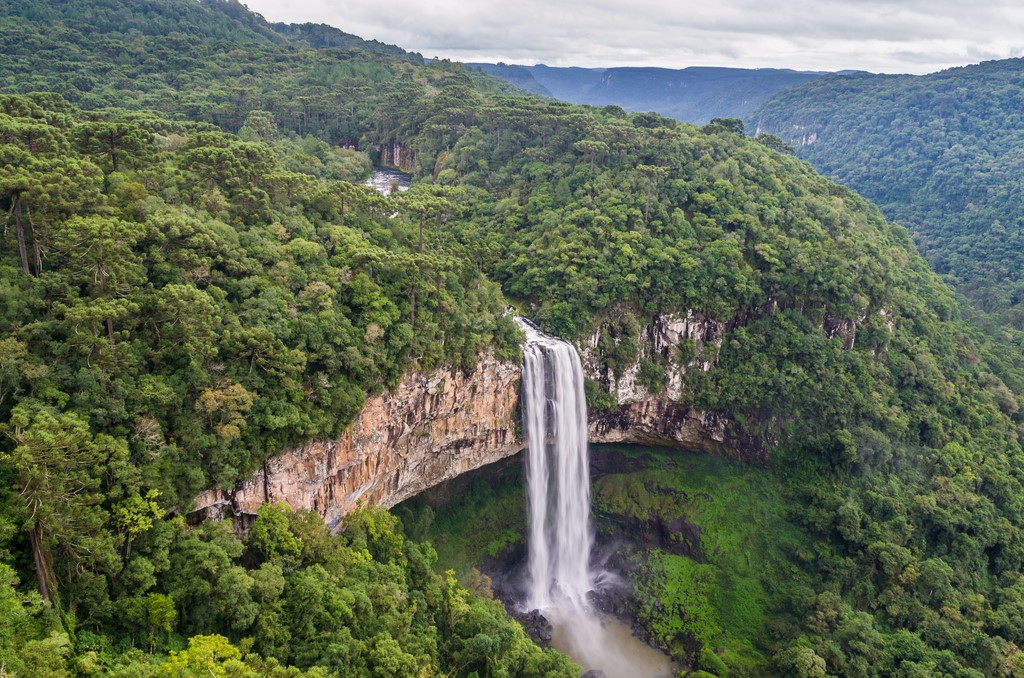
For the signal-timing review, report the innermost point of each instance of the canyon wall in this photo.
(433, 428)
(437, 426)
(677, 344)
(395, 155)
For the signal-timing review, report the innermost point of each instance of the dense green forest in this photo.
(940, 153)
(190, 280)
(177, 305)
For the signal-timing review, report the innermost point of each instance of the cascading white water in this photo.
(558, 473)
(558, 486)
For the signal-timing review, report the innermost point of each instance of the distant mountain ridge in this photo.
(323, 36)
(695, 94)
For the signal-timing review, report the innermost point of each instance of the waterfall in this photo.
(559, 537)
(558, 473)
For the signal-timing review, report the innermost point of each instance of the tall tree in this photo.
(57, 465)
(100, 259)
(114, 140)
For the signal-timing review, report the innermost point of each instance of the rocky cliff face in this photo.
(677, 344)
(671, 424)
(395, 155)
(662, 340)
(440, 425)
(433, 428)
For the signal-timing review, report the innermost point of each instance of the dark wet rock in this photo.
(593, 673)
(507, 572)
(607, 460)
(536, 626)
(677, 536)
(614, 600)
(674, 534)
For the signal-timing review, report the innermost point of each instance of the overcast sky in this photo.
(891, 36)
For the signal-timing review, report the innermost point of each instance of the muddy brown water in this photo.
(607, 645)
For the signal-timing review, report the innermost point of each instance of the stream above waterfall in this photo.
(386, 180)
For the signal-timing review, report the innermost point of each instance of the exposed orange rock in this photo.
(432, 428)
(437, 426)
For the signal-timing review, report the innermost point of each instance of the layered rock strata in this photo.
(437, 426)
(432, 428)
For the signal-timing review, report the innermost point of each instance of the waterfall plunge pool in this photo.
(477, 521)
(607, 645)
(731, 516)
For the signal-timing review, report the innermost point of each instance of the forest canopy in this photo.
(940, 153)
(192, 279)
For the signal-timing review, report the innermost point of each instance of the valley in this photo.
(259, 417)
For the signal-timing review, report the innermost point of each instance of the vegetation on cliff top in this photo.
(939, 153)
(189, 282)
(178, 304)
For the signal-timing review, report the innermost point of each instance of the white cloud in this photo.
(909, 36)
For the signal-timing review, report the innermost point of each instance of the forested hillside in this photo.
(191, 281)
(939, 153)
(212, 61)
